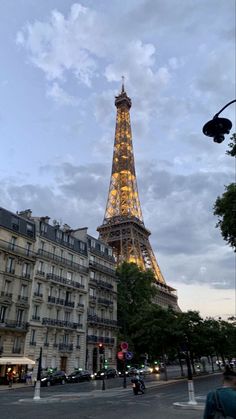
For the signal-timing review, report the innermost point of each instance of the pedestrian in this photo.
(10, 378)
(221, 403)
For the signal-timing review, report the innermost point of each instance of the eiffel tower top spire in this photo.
(123, 199)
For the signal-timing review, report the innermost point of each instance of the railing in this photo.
(60, 301)
(36, 318)
(60, 323)
(63, 261)
(64, 347)
(64, 281)
(6, 294)
(101, 339)
(38, 294)
(102, 268)
(16, 350)
(96, 319)
(16, 249)
(14, 324)
(105, 301)
(41, 273)
(23, 299)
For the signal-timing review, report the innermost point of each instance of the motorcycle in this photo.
(138, 386)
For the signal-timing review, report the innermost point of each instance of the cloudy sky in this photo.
(61, 66)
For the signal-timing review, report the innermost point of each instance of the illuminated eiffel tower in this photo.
(123, 227)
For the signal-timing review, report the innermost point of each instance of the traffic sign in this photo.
(124, 346)
(120, 355)
(129, 355)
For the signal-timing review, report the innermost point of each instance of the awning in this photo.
(16, 361)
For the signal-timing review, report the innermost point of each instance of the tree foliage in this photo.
(148, 328)
(225, 206)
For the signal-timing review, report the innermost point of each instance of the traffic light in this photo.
(101, 349)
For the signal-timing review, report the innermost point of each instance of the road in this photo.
(89, 401)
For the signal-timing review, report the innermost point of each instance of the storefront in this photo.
(19, 366)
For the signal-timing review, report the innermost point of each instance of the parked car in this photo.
(78, 376)
(58, 377)
(106, 373)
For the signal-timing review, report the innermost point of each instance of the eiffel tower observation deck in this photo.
(123, 227)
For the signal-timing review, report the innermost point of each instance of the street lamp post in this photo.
(218, 127)
(38, 382)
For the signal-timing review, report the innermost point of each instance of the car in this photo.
(106, 373)
(79, 376)
(57, 377)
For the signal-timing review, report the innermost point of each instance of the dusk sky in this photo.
(61, 67)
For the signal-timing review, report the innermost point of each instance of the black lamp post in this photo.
(38, 382)
(218, 127)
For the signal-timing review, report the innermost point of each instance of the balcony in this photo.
(105, 302)
(101, 339)
(102, 268)
(40, 273)
(60, 323)
(35, 318)
(14, 325)
(16, 350)
(23, 299)
(6, 296)
(64, 281)
(94, 319)
(38, 294)
(13, 248)
(64, 347)
(61, 302)
(63, 261)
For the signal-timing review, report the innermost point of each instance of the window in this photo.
(10, 265)
(33, 336)
(59, 234)
(17, 345)
(7, 287)
(44, 228)
(23, 290)
(29, 230)
(15, 223)
(69, 276)
(40, 267)
(67, 316)
(71, 240)
(26, 270)
(82, 246)
(28, 248)
(13, 243)
(3, 311)
(19, 316)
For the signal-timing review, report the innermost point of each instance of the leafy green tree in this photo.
(225, 206)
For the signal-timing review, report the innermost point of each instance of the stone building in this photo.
(58, 292)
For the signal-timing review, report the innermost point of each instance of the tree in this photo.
(225, 206)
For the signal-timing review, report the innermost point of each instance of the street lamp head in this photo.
(217, 128)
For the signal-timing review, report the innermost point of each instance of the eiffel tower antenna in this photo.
(123, 227)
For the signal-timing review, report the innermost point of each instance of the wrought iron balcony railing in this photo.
(63, 261)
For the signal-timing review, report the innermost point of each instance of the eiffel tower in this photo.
(123, 227)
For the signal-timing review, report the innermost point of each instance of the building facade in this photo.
(52, 280)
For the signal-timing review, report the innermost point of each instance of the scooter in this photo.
(138, 386)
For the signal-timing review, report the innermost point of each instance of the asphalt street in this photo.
(89, 401)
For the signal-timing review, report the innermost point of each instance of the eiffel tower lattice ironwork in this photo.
(123, 227)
